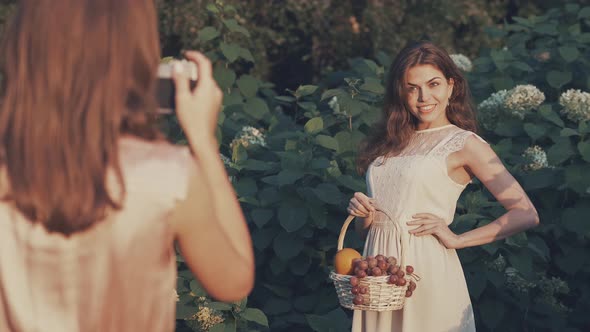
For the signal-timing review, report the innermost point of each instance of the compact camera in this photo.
(166, 90)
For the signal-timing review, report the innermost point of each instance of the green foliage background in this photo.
(295, 188)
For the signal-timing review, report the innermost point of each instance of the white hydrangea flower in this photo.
(576, 105)
(462, 62)
(249, 136)
(489, 109)
(536, 158)
(516, 282)
(335, 106)
(205, 318)
(550, 287)
(523, 98)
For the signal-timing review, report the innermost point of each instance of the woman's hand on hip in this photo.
(360, 205)
(198, 110)
(429, 224)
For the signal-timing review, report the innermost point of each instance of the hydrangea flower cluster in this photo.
(576, 105)
(490, 109)
(536, 158)
(523, 98)
(249, 136)
(515, 102)
(205, 319)
(516, 282)
(550, 287)
(498, 264)
(462, 62)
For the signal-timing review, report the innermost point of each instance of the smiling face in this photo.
(427, 93)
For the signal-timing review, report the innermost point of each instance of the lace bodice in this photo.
(416, 180)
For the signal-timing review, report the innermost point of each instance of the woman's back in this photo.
(118, 275)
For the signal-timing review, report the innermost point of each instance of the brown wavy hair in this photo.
(392, 133)
(77, 75)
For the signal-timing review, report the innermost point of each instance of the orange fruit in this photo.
(343, 261)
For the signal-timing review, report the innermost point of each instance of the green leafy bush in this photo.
(295, 186)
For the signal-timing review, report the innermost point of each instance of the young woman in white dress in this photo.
(417, 160)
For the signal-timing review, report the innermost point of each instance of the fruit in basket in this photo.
(355, 290)
(408, 293)
(363, 265)
(412, 286)
(372, 262)
(401, 282)
(343, 262)
(363, 289)
(393, 279)
(376, 272)
(361, 273)
(358, 300)
(391, 260)
(410, 269)
(393, 269)
(354, 281)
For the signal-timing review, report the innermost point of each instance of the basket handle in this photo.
(343, 231)
(345, 228)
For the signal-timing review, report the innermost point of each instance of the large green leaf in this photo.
(327, 142)
(576, 220)
(256, 108)
(305, 90)
(569, 53)
(255, 315)
(248, 85)
(230, 51)
(261, 216)
(225, 77)
(287, 245)
(289, 176)
(314, 126)
(373, 85)
(208, 33)
(535, 131)
(547, 112)
(557, 79)
(292, 218)
(328, 193)
(234, 26)
(561, 151)
(334, 321)
(576, 178)
(522, 261)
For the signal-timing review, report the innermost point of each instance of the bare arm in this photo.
(209, 224)
(483, 162)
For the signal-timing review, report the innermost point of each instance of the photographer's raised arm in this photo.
(210, 226)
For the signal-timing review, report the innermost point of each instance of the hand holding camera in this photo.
(197, 109)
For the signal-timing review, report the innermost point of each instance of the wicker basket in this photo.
(381, 296)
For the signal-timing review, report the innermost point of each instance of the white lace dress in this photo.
(416, 181)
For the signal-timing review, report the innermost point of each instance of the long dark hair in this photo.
(77, 74)
(392, 133)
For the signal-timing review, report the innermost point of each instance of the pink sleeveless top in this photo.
(119, 275)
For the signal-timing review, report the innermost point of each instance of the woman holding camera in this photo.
(93, 197)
